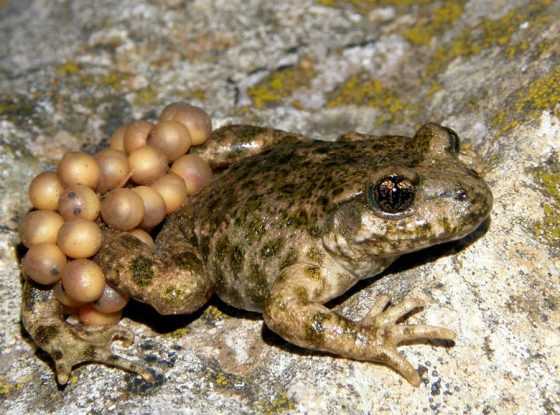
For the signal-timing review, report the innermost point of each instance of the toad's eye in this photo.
(392, 194)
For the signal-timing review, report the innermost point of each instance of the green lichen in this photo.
(437, 21)
(281, 84)
(361, 90)
(549, 179)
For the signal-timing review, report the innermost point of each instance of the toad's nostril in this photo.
(461, 195)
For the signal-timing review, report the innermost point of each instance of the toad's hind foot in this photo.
(84, 344)
(70, 345)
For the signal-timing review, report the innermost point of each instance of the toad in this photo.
(287, 225)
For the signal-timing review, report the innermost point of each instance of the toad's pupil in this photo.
(392, 194)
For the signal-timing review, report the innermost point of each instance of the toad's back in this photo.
(268, 211)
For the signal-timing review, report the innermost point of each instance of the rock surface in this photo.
(71, 72)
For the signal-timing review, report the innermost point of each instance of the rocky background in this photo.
(73, 71)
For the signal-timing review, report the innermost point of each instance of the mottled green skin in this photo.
(286, 226)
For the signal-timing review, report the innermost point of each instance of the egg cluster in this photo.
(144, 175)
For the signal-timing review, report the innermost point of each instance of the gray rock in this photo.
(72, 72)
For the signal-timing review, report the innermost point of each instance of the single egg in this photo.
(65, 299)
(122, 209)
(117, 139)
(110, 301)
(136, 135)
(171, 137)
(194, 170)
(79, 201)
(79, 238)
(147, 164)
(172, 189)
(197, 121)
(78, 168)
(89, 316)
(115, 170)
(45, 190)
(44, 263)
(154, 206)
(83, 280)
(40, 226)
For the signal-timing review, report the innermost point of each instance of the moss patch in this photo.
(281, 84)
(142, 272)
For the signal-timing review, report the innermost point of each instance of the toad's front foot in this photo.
(296, 312)
(70, 345)
(388, 334)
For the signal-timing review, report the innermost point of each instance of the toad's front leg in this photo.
(296, 312)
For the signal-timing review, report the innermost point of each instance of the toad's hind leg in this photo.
(295, 311)
(172, 279)
(70, 345)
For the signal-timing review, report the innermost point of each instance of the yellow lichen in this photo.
(491, 33)
(363, 91)
(145, 96)
(178, 333)
(281, 84)
(439, 19)
(68, 68)
(5, 388)
(542, 94)
(198, 94)
(279, 405)
(213, 313)
(549, 227)
(113, 79)
(221, 379)
(365, 6)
